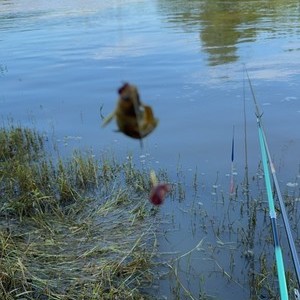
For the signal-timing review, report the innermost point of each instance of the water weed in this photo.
(83, 228)
(71, 229)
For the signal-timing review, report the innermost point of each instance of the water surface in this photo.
(62, 61)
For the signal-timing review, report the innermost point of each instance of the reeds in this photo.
(71, 229)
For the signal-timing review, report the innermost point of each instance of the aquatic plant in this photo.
(71, 229)
(82, 227)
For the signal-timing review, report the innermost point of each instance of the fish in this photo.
(134, 118)
(158, 191)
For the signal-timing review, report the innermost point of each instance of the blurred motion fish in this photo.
(159, 190)
(134, 118)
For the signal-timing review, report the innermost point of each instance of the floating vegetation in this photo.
(72, 229)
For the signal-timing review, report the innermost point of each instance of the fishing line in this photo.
(246, 179)
(137, 115)
(232, 163)
(264, 155)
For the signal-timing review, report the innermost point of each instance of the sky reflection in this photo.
(60, 61)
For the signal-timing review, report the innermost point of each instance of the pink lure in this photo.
(158, 193)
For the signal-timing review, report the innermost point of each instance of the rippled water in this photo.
(60, 61)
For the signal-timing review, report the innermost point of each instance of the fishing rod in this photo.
(284, 215)
(282, 206)
(265, 157)
(280, 198)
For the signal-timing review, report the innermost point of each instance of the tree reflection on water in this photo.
(223, 24)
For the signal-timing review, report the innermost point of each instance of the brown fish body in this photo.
(133, 117)
(127, 111)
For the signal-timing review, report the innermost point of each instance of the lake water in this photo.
(60, 61)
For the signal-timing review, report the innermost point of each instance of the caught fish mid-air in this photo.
(133, 118)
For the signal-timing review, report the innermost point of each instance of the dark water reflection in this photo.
(223, 25)
(61, 60)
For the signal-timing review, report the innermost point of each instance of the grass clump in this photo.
(73, 229)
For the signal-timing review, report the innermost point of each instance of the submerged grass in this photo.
(73, 229)
(83, 228)
(233, 254)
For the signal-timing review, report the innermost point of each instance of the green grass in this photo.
(77, 228)
(82, 228)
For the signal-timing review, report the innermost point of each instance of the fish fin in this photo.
(148, 113)
(108, 119)
(153, 178)
(101, 115)
(148, 123)
(149, 116)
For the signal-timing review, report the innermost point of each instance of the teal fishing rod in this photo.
(284, 215)
(282, 205)
(264, 155)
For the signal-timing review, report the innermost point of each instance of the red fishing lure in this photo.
(158, 193)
